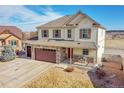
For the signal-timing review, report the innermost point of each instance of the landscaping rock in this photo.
(69, 69)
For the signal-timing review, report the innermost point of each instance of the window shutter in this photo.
(53, 33)
(60, 33)
(47, 33)
(89, 32)
(42, 33)
(81, 32)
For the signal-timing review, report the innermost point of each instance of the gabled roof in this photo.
(68, 21)
(11, 30)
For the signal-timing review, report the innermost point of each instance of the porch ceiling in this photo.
(66, 44)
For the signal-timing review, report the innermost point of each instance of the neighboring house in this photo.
(30, 35)
(69, 37)
(11, 35)
(115, 34)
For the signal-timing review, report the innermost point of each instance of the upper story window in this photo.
(85, 33)
(69, 33)
(85, 52)
(45, 33)
(57, 33)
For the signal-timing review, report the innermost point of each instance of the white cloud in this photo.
(25, 18)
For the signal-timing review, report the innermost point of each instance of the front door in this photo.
(70, 52)
(28, 51)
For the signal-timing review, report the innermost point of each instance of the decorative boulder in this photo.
(69, 69)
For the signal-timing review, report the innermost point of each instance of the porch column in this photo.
(33, 53)
(58, 55)
(70, 55)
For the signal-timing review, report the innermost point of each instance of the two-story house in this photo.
(69, 37)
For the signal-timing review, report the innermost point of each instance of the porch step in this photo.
(88, 67)
(83, 66)
(63, 66)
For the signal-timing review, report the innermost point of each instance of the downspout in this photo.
(96, 45)
(70, 55)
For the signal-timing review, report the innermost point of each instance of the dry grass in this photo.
(58, 78)
(114, 43)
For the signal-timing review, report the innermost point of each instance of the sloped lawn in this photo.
(58, 78)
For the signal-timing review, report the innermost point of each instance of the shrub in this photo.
(69, 69)
(20, 53)
(100, 73)
(8, 54)
(104, 59)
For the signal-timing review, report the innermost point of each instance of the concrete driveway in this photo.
(17, 72)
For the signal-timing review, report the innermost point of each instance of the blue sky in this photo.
(28, 17)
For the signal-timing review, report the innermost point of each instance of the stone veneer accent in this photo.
(58, 55)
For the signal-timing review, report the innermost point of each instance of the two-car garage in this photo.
(48, 55)
(41, 54)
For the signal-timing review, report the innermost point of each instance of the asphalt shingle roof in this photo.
(12, 30)
(68, 21)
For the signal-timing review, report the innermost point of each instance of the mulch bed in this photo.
(114, 77)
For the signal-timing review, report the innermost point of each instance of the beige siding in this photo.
(92, 53)
(78, 51)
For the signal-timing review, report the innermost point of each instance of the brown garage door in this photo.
(45, 55)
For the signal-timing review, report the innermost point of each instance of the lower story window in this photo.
(85, 52)
(13, 43)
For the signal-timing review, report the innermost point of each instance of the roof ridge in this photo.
(73, 16)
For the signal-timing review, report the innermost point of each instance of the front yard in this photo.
(58, 78)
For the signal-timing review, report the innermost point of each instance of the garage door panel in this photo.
(45, 55)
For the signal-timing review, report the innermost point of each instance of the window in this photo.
(45, 33)
(69, 33)
(85, 33)
(13, 42)
(85, 51)
(57, 33)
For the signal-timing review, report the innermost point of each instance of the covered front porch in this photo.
(76, 56)
(69, 52)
